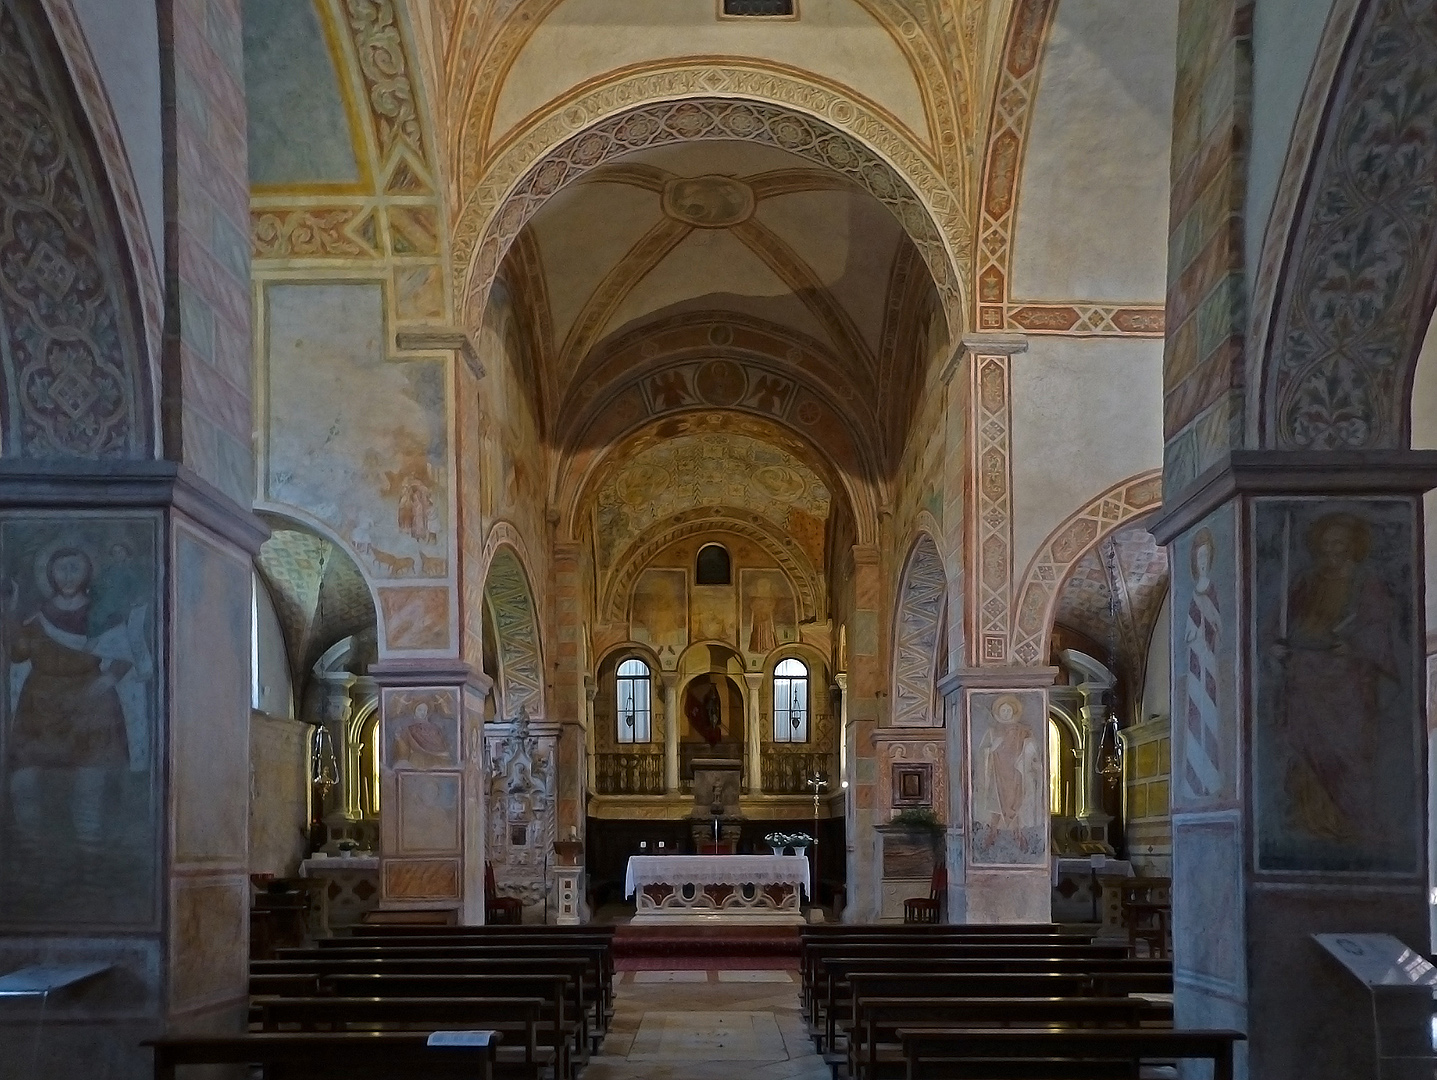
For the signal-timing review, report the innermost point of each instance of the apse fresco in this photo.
(1335, 743)
(1205, 644)
(659, 613)
(769, 615)
(713, 613)
(1008, 778)
(79, 597)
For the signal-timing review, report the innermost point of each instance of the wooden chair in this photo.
(500, 909)
(926, 909)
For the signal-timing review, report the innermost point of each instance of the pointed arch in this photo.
(510, 602)
(922, 593)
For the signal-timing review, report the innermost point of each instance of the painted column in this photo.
(433, 785)
(840, 679)
(567, 669)
(753, 738)
(1299, 763)
(671, 731)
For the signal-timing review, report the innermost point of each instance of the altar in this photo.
(718, 888)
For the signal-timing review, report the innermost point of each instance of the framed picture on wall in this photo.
(912, 785)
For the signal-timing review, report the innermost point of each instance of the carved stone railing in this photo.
(785, 773)
(629, 774)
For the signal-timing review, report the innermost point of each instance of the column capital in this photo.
(1296, 472)
(754, 679)
(995, 344)
(396, 673)
(998, 678)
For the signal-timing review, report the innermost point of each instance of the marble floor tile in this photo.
(754, 977)
(708, 1036)
(670, 977)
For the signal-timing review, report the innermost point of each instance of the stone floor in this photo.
(703, 1025)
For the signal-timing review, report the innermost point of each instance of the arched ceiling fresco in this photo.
(319, 594)
(694, 471)
(1114, 593)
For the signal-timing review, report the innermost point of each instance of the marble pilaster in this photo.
(433, 785)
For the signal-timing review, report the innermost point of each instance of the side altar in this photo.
(718, 888)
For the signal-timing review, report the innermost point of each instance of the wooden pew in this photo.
(999, 1053)
(1101, 978)
(814, 957)
(826, 966)
(556, 991)
(997, 983)
(578, 970)
(600, 979)
(874, 1052)
(366, 1055)
(532, 1044)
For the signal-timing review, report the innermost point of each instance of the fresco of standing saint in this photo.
(1335, 658)
(1010, 783)
(75, 612)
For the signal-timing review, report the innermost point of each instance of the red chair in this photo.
(927, 909)
(505, 910)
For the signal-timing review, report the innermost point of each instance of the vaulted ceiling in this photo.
(770, 260)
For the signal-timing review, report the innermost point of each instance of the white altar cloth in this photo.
(702, 870)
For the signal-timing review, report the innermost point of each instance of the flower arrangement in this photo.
(778, 840)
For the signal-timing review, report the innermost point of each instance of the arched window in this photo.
(634, 698)
(713, 566)
(790, 701)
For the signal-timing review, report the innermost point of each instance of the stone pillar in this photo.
(1092, 692)
(840, 680)
(753, 738)
(565, 694)
(865, 684)
(1299, 775)
(591, 692)
(335, 707)
(433, 786)
(1006, 867)
(672, 780)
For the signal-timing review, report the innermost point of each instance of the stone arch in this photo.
(583, 135)
(510, 603)
(76, 380)
(1080, 533)
(1358, 282)
(917, 630)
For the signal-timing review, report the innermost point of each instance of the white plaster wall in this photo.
(1157, 685)
(125, 41)
(1087, 413)
(274, 692)
(1285, 36)
(586, 38)
(1424, 437)
(1093, 198)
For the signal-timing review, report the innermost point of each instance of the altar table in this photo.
(718, 888)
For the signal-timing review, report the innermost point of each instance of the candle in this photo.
(715, 830)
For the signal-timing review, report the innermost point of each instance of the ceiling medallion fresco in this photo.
(708, 202)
